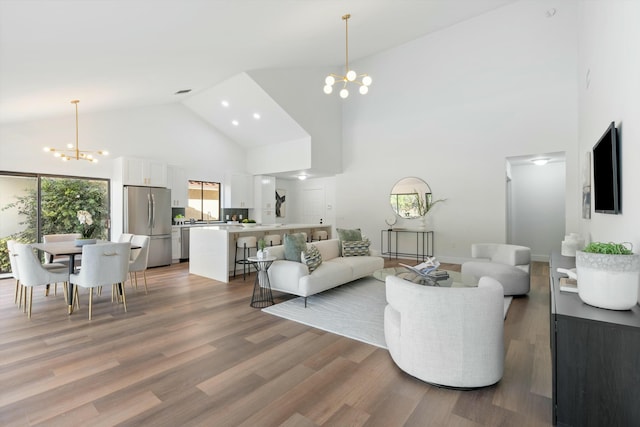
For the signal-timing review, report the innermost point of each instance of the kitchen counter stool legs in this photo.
(262, 295)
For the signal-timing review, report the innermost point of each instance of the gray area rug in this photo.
(354, 310)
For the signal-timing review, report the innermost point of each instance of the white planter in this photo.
(608, 281)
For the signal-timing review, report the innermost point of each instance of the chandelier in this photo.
(363, 80)
(72, 152)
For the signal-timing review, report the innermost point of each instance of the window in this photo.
(204, 201)
(32, 205)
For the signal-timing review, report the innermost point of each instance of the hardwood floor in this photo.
(193, 353)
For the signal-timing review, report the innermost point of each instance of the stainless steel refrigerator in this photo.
(147, 211)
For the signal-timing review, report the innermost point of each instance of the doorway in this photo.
(535, 210)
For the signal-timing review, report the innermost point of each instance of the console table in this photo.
(595, 358)
(424, 243)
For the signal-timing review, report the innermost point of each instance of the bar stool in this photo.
(244, 243)
(319, 235)
(273, 239)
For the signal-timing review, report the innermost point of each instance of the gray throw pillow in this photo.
(348, 235)
(294, 245)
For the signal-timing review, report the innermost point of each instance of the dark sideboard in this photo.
(595, 357)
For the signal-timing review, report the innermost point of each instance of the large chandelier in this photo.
(364, 80)
(72, 152)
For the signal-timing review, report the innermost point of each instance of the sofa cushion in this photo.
(311, 257)
(329, 249)
(360, 266)
(328, 275)
(355, 248)
(294, 245)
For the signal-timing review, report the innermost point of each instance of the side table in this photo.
(262, 296)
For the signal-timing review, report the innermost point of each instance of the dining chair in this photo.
(125, 237)
(103, 264)
(65, 237)
(16, 274)
(33, 273)
(139, 259)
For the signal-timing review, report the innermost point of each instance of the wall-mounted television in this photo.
(606, 172)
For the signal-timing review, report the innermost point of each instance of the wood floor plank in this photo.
(194, 353)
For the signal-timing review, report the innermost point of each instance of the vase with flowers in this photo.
(87, 228)
(424, 205)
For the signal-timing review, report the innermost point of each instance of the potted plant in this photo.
(608, 275)
(424, 205)
(262, 252)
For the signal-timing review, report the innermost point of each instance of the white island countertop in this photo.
(212, 248)
(239, 228)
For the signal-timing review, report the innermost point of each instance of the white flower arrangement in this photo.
(86, 221)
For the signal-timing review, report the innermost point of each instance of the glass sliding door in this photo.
(34, 205)
(62, 198)
(18, 210)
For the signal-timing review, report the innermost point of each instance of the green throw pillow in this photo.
(294, 245)
(347, 235)
(312, 258)
(355, 248)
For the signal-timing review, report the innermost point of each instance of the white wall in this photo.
(609, 88)
(299, 92)
(169, 133)
(538, 214)
(449, 108)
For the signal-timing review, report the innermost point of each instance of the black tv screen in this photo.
(606, 172)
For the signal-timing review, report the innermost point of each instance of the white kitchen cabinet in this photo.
(239, 191)
(177, 182)
(143, 172)
(175, 244)
(264, 199)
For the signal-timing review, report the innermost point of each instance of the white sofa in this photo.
(450, 337)
(294, 278)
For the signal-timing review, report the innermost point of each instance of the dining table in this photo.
(70, 249)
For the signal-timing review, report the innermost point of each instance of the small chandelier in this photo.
(75, 153)
(364, 80)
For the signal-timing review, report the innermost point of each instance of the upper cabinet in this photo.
(238, 191)
(177, 182)
(144, 172)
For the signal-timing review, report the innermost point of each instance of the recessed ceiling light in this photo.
(235, 122)
(302, 177)
(224, 103)
(256, 116)
(540, 162)
(182, 91)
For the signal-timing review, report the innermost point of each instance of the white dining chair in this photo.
(103, 264)
(64, 237)
(139, 260)
(16, 273)
(33, 273)
(125, 237)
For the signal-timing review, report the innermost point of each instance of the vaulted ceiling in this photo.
(115, 54)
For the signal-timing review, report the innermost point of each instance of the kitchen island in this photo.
(212, 248)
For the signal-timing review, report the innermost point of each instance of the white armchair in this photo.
(446, 336)
(508, 264)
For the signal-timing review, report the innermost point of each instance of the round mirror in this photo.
(410, 197)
